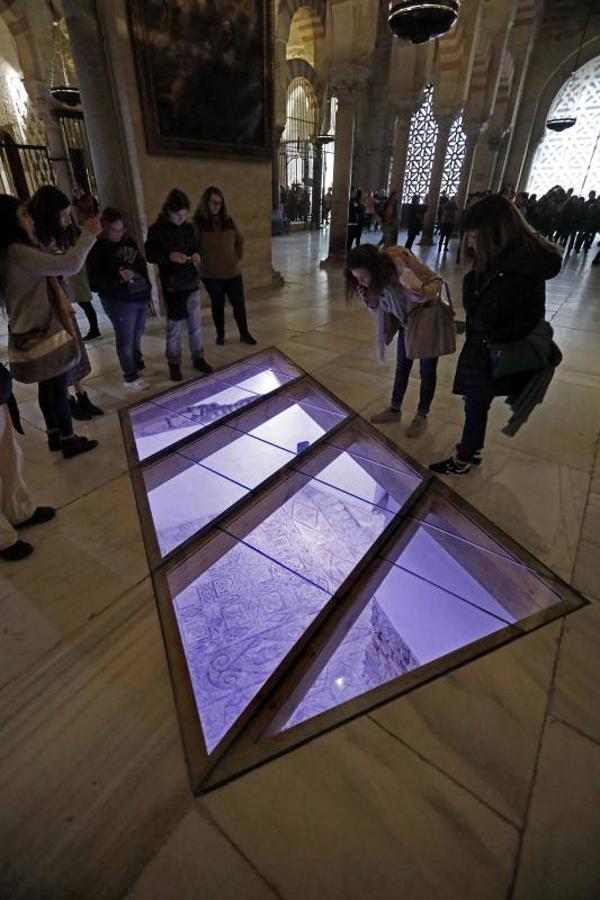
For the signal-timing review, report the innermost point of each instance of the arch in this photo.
(19, 26)
(572, 153)
(555, 81)
(287, 10)
(299, 68)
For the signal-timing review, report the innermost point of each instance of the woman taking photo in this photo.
(51, 213)
(173, 245)
(41, 348)
(392, 286)
(221, 249)
(504, 296)
(118, 273)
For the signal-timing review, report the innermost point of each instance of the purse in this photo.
(40, 354)
(430, 331)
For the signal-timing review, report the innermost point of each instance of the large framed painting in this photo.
(204, 74)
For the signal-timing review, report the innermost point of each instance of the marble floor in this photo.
(483, 784)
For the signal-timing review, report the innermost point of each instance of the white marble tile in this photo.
(359, 815)
(92, 769)
(482, 724)
(560, 859)
(576, 693)
(84, 559)
(197, 860)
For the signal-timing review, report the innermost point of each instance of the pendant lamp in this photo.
(418, 21)
(62, 69)
(561, 123)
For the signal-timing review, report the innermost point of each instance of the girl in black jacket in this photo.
(504, 296)
(173, 244)
(117, 271)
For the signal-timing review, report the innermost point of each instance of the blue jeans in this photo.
(194, 330)
(128, 318)
(403, 368)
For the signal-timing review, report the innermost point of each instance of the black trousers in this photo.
(90, 314)
(53, 398)
(410, 239)
(354, 232)
(473, 436)
(232, 289)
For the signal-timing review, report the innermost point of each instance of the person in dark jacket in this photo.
(416, 213)
(117, 271)
(173, 244)
(504, 296)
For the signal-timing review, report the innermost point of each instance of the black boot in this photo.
(220, 338)
(74, 445)
(19, 550)
(92, 334)
(201, 365)
(76, 410)
(247, 338)
(175, 372)
(85, 404)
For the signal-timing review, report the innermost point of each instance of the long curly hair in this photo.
(203, 216)
(378, 264)
(45, 208)
(11, 232)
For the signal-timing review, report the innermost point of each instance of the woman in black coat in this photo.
(504, 296)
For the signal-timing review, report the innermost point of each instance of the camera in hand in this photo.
(418, 21)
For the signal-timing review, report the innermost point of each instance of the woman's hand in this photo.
(93, 225)
(126, 274)
(196, 258)
(177, 257)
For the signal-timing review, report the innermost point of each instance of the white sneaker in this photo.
(138, 385)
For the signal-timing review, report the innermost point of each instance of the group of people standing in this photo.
(52, 252)
(508, 351)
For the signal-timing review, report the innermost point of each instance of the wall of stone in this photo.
(245, 183)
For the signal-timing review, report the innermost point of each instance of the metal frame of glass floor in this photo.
(305, 569)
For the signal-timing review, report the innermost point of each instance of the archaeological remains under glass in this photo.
(305, 569)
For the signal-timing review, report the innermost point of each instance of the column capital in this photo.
(348, 83)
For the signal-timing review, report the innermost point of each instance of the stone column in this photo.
(435, 183)
(109, 155)
(276, 212)
(342, 173)
(401, 135)
(467, 167)
(315, 216)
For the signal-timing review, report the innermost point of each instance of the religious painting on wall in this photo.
(204, 75)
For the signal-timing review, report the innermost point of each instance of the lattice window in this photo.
(572, 158)
(301, 111)
(421, 149)
(455, 155)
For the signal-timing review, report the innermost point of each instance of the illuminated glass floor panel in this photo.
(315, 530)
(305, 569)
(403, 625)
(190, 408)
(238, 618)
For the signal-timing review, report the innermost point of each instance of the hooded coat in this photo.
(502, 304)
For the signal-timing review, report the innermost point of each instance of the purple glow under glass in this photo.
(320, 533)
(238, 620)
(405, 624)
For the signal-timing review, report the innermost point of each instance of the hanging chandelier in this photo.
(418, 21)
(561, 123)
(61, 76)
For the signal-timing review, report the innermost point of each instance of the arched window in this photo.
(455, 156)
(421, 148)
(572, 157)
(298, 149)
(301, 111)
